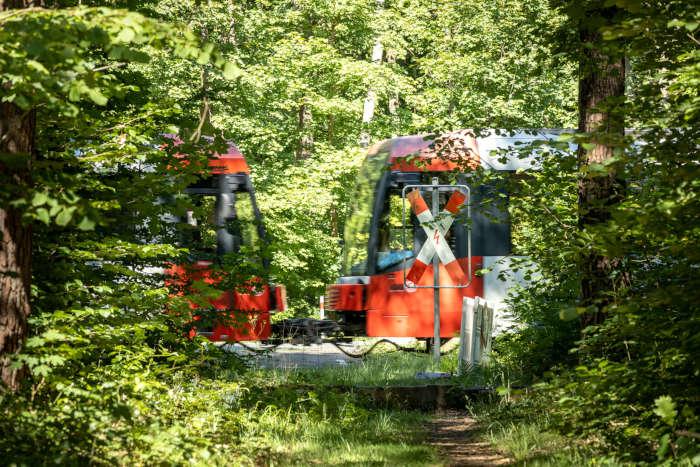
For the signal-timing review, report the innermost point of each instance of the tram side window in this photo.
(357, 226)
(391, 250)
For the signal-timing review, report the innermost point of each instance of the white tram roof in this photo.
(498, 148)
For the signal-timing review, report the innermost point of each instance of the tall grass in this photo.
(288, 426)
(529, 441)
(301, 423)
(533, 445)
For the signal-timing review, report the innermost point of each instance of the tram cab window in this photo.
(391, 249)
(197, 228)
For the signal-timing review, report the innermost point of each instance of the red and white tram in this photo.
(371, 297)
(224, 218)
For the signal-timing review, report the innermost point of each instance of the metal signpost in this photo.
(436, 282)
(436, 225)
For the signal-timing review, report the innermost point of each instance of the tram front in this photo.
(222, 229)
(384, 238)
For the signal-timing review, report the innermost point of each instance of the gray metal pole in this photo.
(436, 279)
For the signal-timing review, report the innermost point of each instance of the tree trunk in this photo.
(306, 139)
(601, 95)
(17, 129)
(16, 147)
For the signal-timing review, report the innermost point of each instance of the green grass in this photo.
(338, 437)
(531, 444)
(293, 417)
(388, 368)
(287, 424)
(529, 441)
(384, 369)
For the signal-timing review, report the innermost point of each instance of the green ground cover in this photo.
(384, 367)
(210, 410)
(308, 427)
(285, 424)
(526, 435)
(513, 422)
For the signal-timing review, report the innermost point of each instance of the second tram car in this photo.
(224, 218)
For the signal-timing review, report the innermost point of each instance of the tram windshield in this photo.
(391, 249)
(357, 227)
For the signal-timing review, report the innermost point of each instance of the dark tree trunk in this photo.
(601, 95)
(16, 146)
(17, 129)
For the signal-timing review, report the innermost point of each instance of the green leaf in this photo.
(203, 58)
(96, 96)
(666, 409)
(39, 199)
(55, 207)
(565, 137)
(34, 341)
(65, 216)
(664, 444)
(126, 35)
(231, 71)
(689, 25)
(41, 370)
(74, 92)
(43, 215)
(596, 169)
(568, 313)
(53, 335)
(86, 224)
(37, 66)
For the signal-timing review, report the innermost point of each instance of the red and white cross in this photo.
(435, 243)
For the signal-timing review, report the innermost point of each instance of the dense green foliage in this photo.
(102, 354)
(112, 378)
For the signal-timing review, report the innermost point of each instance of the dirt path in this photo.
(453, 434)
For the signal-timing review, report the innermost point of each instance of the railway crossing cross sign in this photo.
(436, 226)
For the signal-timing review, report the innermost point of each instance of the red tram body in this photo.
(370, 297)
(228, 182)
